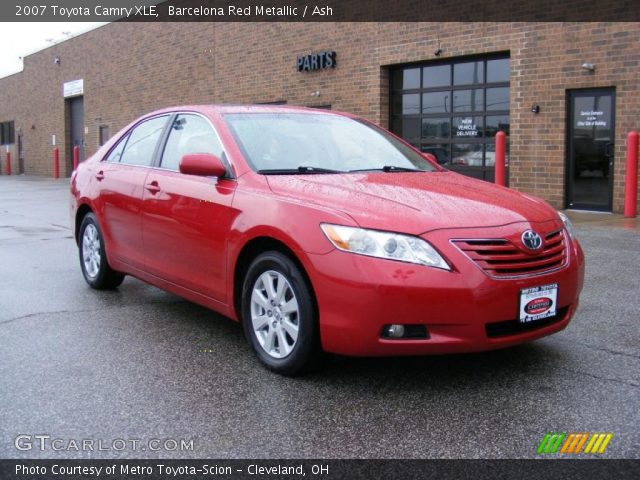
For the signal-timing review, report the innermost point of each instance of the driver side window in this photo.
(189, 134)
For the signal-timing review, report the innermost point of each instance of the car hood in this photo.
(413, 202)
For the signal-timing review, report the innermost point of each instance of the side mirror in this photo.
(203, 165)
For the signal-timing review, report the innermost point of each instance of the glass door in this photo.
(590, 144)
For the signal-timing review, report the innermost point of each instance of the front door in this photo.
(186, 218)
(591, 135)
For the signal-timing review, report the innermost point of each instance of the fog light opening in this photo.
(394, 331)
(398, 331)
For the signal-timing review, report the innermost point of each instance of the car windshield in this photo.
(289, 143)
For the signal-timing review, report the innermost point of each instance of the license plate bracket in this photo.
(537, 303)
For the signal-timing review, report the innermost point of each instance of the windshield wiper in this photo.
(388, 168)
(293, 171)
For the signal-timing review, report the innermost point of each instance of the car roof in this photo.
(243, 108)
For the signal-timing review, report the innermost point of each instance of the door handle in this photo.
(100, 175)
(153, 187)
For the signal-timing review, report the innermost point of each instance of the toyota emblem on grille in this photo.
(532, 240)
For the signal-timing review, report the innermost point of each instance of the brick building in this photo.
(566, 94)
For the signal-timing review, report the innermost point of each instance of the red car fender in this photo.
(242, 235)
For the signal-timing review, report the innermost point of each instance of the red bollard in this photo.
(56, 162)
(500, 162)
(631, 176)
(76, 157)
(8, 163)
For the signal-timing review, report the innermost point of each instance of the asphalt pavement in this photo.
(169, 379)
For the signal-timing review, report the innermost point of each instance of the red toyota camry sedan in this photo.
(320, 231)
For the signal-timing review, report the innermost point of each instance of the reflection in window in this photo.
(411, 79)
(498, 70)
(469, 154)
(437, 76)
(468, 73)
(494, 123)
(440, 151)
(437, 127)
(411, 103)
(468, 100)
(408, 127)
(436, 102)
(490, 155)
(498, 98)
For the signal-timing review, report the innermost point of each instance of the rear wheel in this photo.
(93, 260)
(278, 314)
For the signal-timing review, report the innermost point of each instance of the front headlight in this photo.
(392, 246)
(567, 224)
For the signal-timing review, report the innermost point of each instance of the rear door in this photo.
(122, 178)
(185, 218)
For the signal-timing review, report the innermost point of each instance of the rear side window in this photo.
(189, 134)
(142, 142)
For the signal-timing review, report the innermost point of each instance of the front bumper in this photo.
(357, 296)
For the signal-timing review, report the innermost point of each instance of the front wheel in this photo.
(93, 260)
(278, 314)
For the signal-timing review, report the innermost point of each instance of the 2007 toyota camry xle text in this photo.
(321, 232)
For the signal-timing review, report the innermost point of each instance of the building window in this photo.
(7, 134)
(103, 134)
(453, 110)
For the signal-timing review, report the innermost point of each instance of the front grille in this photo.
(513, 327)
(500, 258)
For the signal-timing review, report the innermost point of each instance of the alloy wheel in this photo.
(91, 250)
(275, 314)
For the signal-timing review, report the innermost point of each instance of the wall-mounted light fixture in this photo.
(588, 66)
(438, 50)
(535, 108)
(56, 61)
(316, 93)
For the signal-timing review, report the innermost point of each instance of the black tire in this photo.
(104, 277)
(306, 348)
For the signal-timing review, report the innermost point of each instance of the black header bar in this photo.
(320, 10)
(318, 469)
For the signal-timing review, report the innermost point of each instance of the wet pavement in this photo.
(603, 220)
(139, 364)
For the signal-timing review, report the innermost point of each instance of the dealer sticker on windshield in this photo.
(537, 303)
